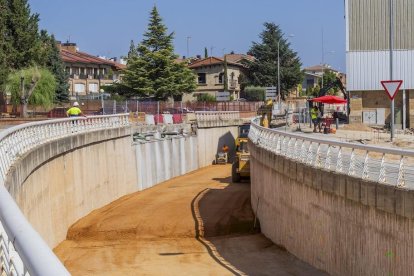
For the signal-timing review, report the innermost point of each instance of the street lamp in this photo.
(188, 46)
(391, 15)
(278, 67)
(323, 63)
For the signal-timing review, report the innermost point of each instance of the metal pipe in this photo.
(278, 71)
(404, 124)
(391, 7)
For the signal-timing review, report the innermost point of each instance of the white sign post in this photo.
(271, 93)
(392, 87)
(223, 96)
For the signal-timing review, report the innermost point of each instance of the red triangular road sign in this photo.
(392, 87)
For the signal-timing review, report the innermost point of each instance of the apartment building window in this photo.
(221, 78)
(79, 88)
(93, 88)
(202, 78)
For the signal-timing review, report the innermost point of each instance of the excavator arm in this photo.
(338, 83)
(331, 85)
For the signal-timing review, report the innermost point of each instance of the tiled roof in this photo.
(318, 68)
(239, 57)
(211, 61)
(81, 57)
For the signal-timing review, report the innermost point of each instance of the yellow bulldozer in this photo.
(241, 163)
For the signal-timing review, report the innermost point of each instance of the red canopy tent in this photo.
(329, 100)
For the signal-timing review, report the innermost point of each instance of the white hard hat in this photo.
(75, 104)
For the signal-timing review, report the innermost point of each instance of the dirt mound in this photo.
(356, 127)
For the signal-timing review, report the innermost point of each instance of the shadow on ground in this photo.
(227, 226)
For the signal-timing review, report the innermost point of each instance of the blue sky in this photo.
(105, 27)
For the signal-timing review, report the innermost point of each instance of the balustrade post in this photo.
(351, 170)
(401, 173)
(382, 178)
(318, 157)
(339, 167)
(310, 154)
(328, 158)
(365, 171)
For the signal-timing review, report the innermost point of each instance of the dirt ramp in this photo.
(157, 232)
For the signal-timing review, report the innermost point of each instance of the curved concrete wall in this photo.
(158, 161)
(337, 223)
(211, 140)
(58, 183)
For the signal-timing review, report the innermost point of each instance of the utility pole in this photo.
(391, 3)
(211, 51)
(323, 58)
(278, 72)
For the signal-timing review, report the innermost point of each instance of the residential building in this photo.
(368, 60)
(210, 75)
(313, 75)
(88, 73)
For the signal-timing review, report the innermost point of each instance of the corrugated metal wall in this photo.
(369, 24)
(366, 70)
(368, 41)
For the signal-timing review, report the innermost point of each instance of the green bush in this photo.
(206, 98)
(254, 93)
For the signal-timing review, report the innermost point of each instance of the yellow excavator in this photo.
(241, 164)
(265, 113)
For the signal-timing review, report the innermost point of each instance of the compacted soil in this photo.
(197, 224)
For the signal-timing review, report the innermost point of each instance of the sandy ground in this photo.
(197, 224)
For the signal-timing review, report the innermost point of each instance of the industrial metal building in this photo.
(368, 59)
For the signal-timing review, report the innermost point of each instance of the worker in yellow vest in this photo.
(265, 121)
(315, 116)
(74, 111)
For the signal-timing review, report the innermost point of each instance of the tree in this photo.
(31, 86)
(263, 70)
(50, 59)
(154, 71)
(329, 78)
(132, 50)
(3, 45)
(205, 52)
(22, 49)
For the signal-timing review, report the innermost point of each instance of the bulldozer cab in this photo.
(241, 165)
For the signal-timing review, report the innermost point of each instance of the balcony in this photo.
(232, 84)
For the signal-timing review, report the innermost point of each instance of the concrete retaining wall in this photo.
(340, 224)
(159, 161)
(211, 140)
(60, 182)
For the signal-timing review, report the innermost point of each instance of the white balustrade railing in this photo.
(211, 116)
(22, 250)
(391, 166)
